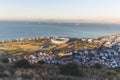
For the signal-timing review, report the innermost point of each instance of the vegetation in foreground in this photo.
(22, 70)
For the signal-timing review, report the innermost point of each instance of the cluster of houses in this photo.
(108, 55)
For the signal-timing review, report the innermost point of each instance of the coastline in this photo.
(44, 47)
(42, 37)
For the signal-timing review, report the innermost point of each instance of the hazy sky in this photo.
(59, 9)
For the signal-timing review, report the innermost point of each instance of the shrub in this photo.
(70, 69)
(97, 66)
(117, 69)
(61, 78)
(41, 62)
(2, 75)
(109, 73)
(5, 60)
(22, 64)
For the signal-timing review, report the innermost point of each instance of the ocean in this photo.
(10, 30)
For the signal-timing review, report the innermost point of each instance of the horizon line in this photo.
(85, 20)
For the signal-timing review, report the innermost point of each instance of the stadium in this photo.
(59, 40)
